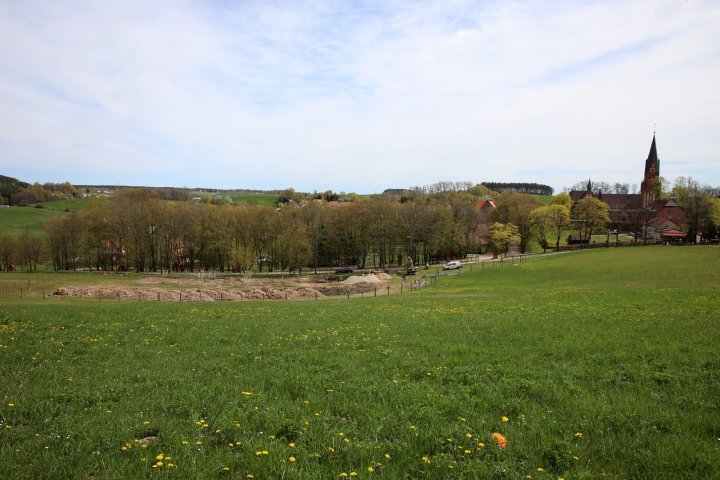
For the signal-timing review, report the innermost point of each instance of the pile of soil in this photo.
(213, 294)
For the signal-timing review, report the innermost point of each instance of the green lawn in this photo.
(72, 204)
(265, 199)
(604, 363)
(14, 220)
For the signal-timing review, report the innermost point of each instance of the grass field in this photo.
(593, 364)
(14, 220)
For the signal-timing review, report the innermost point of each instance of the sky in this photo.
(357, 96)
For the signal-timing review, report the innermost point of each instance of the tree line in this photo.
(139, 231)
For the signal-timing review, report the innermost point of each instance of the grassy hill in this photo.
(593, 364)
(14, 220)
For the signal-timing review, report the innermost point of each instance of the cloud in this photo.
(361, 97)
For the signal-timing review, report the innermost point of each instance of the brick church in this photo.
(644, 213)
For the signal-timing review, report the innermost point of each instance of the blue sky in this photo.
(357, 96)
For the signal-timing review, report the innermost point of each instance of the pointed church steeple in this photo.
(652, 164)
(650, 186)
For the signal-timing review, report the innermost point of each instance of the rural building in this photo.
(661, 219)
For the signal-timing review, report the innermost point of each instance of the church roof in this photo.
(652, 157)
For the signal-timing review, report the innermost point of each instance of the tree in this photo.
(550, 220)
(694, 198)
(8, 252)
(589, 215)
(562, 198)
(504, 236)
(515, 208)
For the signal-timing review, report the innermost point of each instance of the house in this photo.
(659, 219)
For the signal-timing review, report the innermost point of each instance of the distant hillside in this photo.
(8, 186)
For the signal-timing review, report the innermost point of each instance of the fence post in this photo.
(401, 286)
(348, 294)
(376, 291)
(388, 289)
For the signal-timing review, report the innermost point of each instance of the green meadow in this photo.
(585, 365)
(15, 220)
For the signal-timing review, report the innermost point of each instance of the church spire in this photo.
(652, 164)
(650, 186)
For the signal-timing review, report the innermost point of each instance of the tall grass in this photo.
(604, 364)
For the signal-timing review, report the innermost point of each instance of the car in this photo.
(344, 270)
(452, 265)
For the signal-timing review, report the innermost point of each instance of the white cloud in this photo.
(321, 95)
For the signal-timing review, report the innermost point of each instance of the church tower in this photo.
(650, 186)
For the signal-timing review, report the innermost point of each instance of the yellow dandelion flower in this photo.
(425, 460)
(11, 405)
(412, 427)
(468, 435)
(144, 445)
(291, 445)
(199, 442)
(159, 457)
(331, 449)
(576, 458)
(343, 474)
(170, 465)
(264, 452)
(184, 442)
(159, 464)
(578, 434)
(291, 459)
(370, 469)
(540, 469)
(504, 418)
(387, 455)
(247, 394)
(480, 444)
(353, 474)
(226, 469)
(249, 476)
(124, 449)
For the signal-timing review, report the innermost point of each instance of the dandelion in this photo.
(11, 405)
(343, 474)
(291, 445)
(159, 464)
(504, 418)
(159, 457)
(247, 394)
(467, 452)
(468, 435)
(370, 469)
(249, 476)
(578, 434)
(226, 469)
(170, 465)
(353, 474)
(331, 449)
(425, 460)
(291, 459)
(501, 440)
(481, 445)
(540, 469)
(387, 455)
(199, 442)
(184, 442)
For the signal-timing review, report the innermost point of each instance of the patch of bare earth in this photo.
(199, 290)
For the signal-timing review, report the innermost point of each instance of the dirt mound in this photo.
(383, 276)
(195, 294)
(371, 278)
